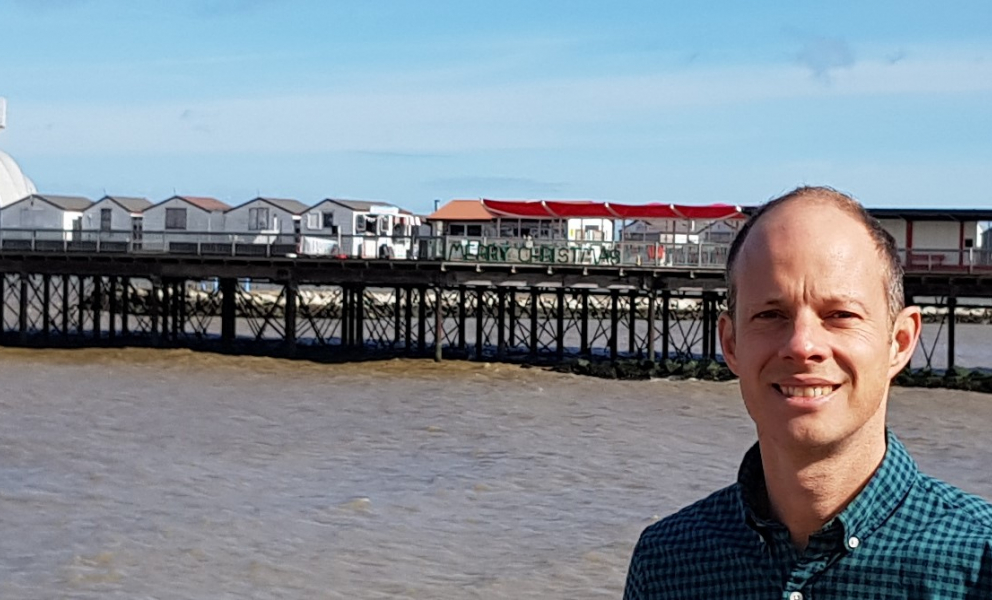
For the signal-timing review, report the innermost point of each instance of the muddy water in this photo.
(169, 474)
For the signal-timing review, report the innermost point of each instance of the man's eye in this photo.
(767, 314)
(844, 314)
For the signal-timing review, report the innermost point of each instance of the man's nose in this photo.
(805, 341)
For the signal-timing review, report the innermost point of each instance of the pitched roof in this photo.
(287, 204)
(462, 210)
(364, 205)
(133, 204)
(73, 203)
(205, 202)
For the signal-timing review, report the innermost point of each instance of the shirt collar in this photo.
(884, 492)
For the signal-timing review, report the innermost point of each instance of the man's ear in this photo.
(728, 340)
(905, 335)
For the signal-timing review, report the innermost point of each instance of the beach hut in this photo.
(358, 228)
(179, 221)
(114, 218)
(49, 217)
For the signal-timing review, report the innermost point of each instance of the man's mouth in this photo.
(805, 391)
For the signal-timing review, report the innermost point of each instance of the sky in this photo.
(412, 101)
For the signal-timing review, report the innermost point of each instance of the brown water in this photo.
(168, 474)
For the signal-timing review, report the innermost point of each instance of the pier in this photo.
(551, 308)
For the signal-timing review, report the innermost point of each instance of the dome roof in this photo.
(14, 185)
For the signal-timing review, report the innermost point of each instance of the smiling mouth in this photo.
(804, 391)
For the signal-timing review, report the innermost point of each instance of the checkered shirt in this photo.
(906, 536)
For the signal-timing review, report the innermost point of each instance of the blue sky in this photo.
(408, 101)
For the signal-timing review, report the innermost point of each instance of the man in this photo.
(828, 505)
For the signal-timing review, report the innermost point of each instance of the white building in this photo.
(265, 219)
(183, 219)
(44, 217)
(360, 228)
(115, 218)
(937, 239)
(14, 184)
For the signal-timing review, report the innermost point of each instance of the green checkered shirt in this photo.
(906, 535)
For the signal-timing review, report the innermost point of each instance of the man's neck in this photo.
(806, 489)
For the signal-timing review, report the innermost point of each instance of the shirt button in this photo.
(853, 542)
(796, 596)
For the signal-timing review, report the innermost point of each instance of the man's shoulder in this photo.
(958, 511)
(712, 517)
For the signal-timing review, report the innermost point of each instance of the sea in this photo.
(167, 474)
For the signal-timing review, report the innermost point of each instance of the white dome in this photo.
(14, 185)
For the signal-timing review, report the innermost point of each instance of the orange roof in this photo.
(462, 210)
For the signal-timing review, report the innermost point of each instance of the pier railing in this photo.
(444, 248)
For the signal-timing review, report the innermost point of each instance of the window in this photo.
(175, 218)
(313, 221)
(475, 230)
(327, 221)
(456, 229)
(365, 224)
(105, 219)
(258, 218)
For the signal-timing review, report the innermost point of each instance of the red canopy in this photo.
(561, 209)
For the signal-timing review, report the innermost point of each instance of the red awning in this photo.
(588, 209)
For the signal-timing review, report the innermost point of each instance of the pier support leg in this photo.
(408, 317)
(614, 322)
(165, 308)
(422, 322)
(438, 324)
(952, 303)
(560, 325)
(22, 317)
(512, 319)
(65, 306)
(632, 327)
(706, 301)
(501, 323)
(114, 308)
(652, 332)
(125, 306)
(359, 306)
(535, 300)
(97, 306)
(81, 306)
(479, 306)
(228, 310)
(462, 318)
(666, 313)
(584, 325)
(397, 316)
(289, 317)
(46, 309)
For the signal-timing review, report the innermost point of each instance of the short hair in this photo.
(885, 244)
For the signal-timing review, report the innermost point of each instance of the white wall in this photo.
(237, 219)
(897, 228)
(197, 219)
(36, 214)
(120, 217)
(343, 218)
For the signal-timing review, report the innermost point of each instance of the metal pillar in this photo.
(97, 306)
(479, 299)
(952, 303)
(422, 321)
(534, 300)
(289, 316)
(462, 317)
(652, 298)
(22, 317)
(666, 313)
(125, 306)
(632, 327)
(584, 325)
(114, 308)
(560, 329)
(614, 325)
(228, 311)
(46, 301)
(500, 323)
(438, 324)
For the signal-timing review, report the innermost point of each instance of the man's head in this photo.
(816, 329)
(885, 244)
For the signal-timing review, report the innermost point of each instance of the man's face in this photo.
(811, 340)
